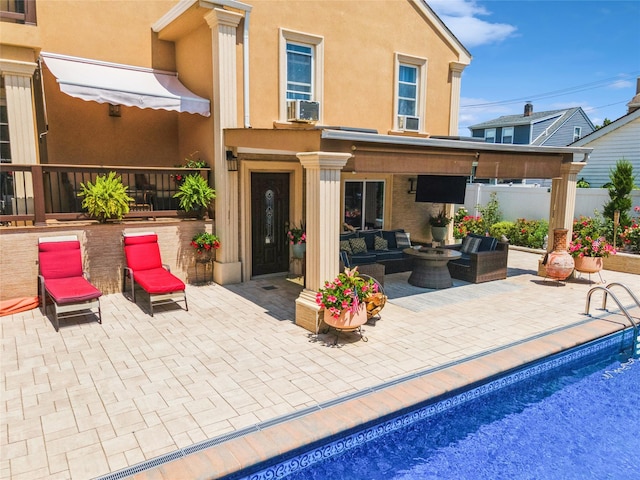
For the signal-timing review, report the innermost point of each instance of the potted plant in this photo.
(344, 299)
(195, 194)
(205, 244)
(106, 198)
(297, 238)
(589, 245)
(439, 226)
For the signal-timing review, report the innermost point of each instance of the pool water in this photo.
(578, 420)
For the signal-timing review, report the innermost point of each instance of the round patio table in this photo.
(430, 267)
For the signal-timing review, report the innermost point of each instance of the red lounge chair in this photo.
(62, 279)
(145, 267)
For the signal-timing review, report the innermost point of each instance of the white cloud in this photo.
(460, 16)
(618, 84)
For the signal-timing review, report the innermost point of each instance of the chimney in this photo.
(634, 104)
(528, 109)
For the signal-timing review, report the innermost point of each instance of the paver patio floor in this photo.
(94, 399)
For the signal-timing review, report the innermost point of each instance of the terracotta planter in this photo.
(347, 321)
(298, 250)
(559, 263)
(589, 264)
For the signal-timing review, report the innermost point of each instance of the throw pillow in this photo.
(470, 244)
(358, 245)
(380, 243)
(345, 246)
(402, 239)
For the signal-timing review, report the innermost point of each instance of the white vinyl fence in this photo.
(532, 203)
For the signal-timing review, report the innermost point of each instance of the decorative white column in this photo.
(23, 136)
(323, 219)
(563, 200)
(224, 24)
(455, 70)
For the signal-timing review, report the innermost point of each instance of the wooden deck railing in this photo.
(33, 194)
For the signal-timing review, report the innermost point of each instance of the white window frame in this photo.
(421, 91)
(487, 136)
(577, 133)
(507, 129)
(317, 44)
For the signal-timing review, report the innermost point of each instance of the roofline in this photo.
(328, 134)
(617, 123)
(184, 5)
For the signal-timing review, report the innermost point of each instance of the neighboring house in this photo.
(550, 128)
(323, 108)
(620, 139)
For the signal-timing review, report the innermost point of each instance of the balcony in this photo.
(38, 194)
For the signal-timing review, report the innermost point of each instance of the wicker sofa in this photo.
(487, 263)
(392, 257)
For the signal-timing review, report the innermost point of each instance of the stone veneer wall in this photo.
(102, 252)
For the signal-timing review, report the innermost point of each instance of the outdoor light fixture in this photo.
(232, 161)
(412, 185)
(114, 110)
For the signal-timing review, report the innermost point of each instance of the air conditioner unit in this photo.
(406, 122)
(303, 111)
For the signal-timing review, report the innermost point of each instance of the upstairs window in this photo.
(301, 69)
(507, 135)
(490, 135)
(299, 72)
(410, 93)
(577, 133)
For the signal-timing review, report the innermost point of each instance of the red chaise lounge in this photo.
(62, 279)
(145, 267)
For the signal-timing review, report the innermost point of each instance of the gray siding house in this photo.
(555, 128)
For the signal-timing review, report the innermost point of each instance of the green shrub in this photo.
(105, 199)
(505, 227)
(490, 213)
(463, 223)
(529, 233)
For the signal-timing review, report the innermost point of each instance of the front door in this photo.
(269, 220)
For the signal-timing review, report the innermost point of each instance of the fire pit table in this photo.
(430, 267)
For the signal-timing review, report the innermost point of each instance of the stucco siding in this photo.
(624, 142)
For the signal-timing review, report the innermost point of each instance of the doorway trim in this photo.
(296, 200)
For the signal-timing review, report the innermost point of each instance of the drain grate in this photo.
(270, 287)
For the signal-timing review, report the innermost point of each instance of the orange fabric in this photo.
(16, 305)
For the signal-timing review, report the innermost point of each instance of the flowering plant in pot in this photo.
(296, 236)
(631, 234)
(440, 220)
(588, 239)
(205, 242)
(347, 291)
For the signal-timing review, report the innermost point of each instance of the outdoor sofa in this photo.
(483, 259)
(366, 247)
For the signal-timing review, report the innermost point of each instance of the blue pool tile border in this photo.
(610, 344)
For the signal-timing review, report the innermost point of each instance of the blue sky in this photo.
(557, 54)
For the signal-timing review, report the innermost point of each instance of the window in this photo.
(577, 133)
(364, 204)
(490, 135)
(410, 93)
(5, 145)
(299, 72)
(301, 68)
(507, 135)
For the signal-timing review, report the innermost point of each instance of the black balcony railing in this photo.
(37, 193)
(18, 11)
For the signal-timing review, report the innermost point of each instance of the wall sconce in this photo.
(114, 110)
(232, 162)
(412, 185)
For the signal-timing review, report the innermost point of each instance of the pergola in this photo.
(325, 152)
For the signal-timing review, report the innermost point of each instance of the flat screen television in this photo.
(441, 188)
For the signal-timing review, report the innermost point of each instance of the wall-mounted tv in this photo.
(441, 188)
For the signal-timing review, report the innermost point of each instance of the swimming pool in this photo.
(569, 416)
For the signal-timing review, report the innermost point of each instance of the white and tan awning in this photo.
(119, 84)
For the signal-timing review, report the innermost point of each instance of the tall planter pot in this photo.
(298, 250)
(439, 234)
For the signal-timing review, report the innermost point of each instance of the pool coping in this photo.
(305, 429)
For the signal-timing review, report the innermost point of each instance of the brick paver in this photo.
(93, 399)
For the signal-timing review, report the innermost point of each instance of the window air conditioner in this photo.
(406, 122)
(303, 111)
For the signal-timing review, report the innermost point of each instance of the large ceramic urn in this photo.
(559, 264)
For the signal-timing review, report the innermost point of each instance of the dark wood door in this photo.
(269, 219)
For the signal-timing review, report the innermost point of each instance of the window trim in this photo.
(317, 87)
(577, 133)
(487, 130)
(421, 93)
(511, 129)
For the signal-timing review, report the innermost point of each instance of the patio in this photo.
(95, 399)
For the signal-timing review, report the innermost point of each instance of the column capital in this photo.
(220, 17)
(571, 168)
(323, 160)
(457, 67)
(16, 67)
